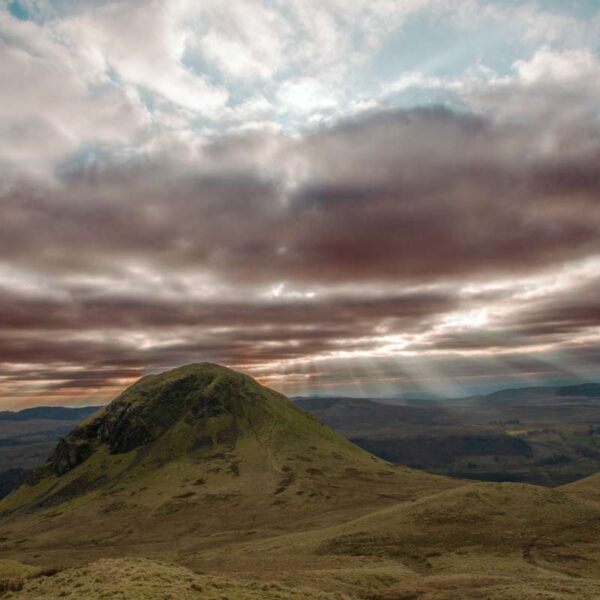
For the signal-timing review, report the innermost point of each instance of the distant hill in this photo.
(519, 395)
(53, 413)
(534, 395)
(357, 414)
(543, 435)
(28, 437)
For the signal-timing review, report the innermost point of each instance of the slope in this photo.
(588, 488)
(480, 540)
(190, 459)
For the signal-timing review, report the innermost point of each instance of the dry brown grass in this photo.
(142, 579)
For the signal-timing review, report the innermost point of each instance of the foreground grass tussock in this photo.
(143, 579)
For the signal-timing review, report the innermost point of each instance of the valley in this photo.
(28, 437)
(543, 436)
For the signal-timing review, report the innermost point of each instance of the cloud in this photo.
(185, 181)
(245, 40)
(404, 196)
(48, 109)
(142, 43)
(354, 214)
(557, 87)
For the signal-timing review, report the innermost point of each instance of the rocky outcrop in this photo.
(139, 416)
(69, 453)
(124, 427)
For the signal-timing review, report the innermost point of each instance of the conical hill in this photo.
(190, 454)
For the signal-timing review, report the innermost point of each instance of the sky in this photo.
(370, 198)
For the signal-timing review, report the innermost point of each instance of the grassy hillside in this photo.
(481, 540)
(493, 541)
(177, 456)
(15, 575)
(588, 488)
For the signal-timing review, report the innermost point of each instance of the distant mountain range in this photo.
(27, 437)
(517, 394)
(544, 435)
(566, 392)
(53, 413)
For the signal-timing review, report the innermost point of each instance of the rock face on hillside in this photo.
(197, 394)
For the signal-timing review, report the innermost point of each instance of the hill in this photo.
(357, 415)
(49, 413)
(545, 436)
(587, 488)
(482, 540)
(143, 579)
(540, 394)
(180, 454)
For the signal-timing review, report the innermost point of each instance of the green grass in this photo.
(14, 575)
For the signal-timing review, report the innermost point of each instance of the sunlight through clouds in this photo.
(369, 197)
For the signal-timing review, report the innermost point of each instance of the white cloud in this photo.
(155, 75)
(416, 79)
(548, 66)
(246, 40)
(552, 89)
(55, 97)
(306, 95)
(144, 44)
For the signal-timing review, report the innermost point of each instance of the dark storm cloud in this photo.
(407, 196)
(22, 312)
(41, 331)
(566, 313)
(391, 201)
(449, 197)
